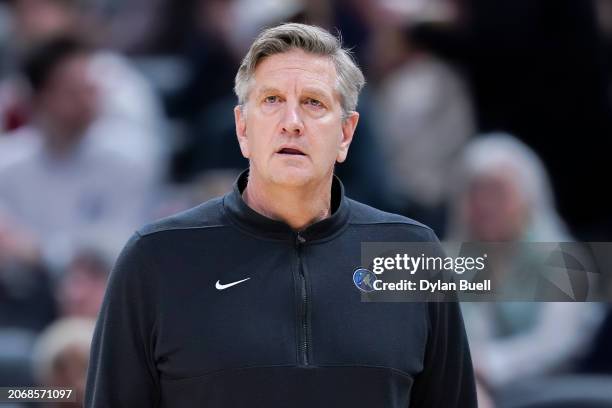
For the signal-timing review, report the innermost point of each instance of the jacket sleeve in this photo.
(447, 379)
(121, 369)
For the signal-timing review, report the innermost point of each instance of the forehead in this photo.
(296, 65)
(503, 176)
(71, 66)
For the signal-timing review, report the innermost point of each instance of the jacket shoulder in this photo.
(364, 214)
(205, 215)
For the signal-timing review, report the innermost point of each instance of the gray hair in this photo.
(56, 339)
(487, 153)
(311, 39)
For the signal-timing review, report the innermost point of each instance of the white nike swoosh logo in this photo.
(220, 286)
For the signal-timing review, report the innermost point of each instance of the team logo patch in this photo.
(364, 279)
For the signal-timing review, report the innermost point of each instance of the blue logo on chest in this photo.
(364, 279)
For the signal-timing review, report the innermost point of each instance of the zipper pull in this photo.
(299, 239)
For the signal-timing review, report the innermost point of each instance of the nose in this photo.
(292, 123)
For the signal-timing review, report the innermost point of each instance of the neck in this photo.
(298, 207)
(60, 142)
(59, 149)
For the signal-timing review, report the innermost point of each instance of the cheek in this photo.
(256, 135)
(269, 110)
(325, 151)
(328, 138)
(517, 212)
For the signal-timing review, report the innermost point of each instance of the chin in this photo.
(290, 176)
(292, 180)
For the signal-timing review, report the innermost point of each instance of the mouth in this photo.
(292, 151)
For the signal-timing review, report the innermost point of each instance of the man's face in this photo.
(291, 128)
(69, 99)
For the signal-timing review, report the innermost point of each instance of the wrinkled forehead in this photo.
(295, 68)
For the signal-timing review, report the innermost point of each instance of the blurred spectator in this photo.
(66, 189)
(82, 286)
(26, 303)
(424, 113)
(377, 29)
(129, 119)
(37, 20)
(503, 195)
(425, 118)
(536, 70)
(61, 356)
(135, 26)
(26, 300)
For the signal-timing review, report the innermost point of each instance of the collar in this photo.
(265, 227)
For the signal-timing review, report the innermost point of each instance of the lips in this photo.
(291, 151)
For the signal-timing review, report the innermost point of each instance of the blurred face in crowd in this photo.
(70, 371)
(494, 207)
(67, 103)
(40, 19)
(291, 127)
(82, 290)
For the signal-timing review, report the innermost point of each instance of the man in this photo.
(128, 112)
(65, 190)
(248, 299)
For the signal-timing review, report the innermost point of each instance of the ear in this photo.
(348, 129)
(240, 120)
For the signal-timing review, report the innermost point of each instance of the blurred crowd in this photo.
(489, 120)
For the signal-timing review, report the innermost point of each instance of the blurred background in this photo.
(489, 120)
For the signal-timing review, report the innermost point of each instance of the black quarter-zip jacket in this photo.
(178, 329)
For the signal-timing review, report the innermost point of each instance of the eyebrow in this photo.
(319, 93)
(268, 89)
(314, 91)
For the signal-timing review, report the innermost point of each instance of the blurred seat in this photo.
(560, 392)
(15, 351)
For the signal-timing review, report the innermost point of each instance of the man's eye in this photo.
(271, 99)
(314, 102)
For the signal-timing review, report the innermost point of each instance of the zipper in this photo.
(304, 344)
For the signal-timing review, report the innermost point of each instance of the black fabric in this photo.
(255, 223)
(295, 334)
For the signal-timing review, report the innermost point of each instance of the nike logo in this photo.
(220, 286)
